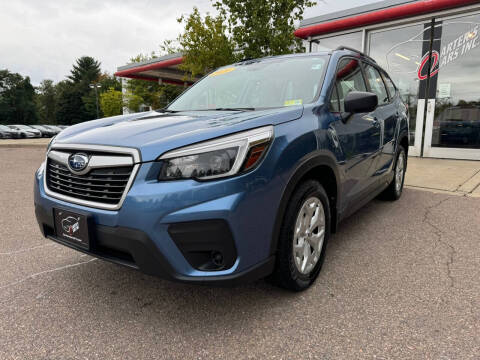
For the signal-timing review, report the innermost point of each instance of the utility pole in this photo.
(96, 86)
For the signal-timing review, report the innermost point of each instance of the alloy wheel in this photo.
(309, 235)
(399, 171)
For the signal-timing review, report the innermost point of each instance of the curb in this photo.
(16, 146)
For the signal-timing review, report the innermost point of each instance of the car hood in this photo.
(155, 133)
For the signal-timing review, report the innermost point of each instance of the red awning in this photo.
(154, 66)
(163, 69)
(379, 16)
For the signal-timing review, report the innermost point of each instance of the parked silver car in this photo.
(27, 131)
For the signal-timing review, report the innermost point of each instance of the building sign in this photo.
(449, 53)
(422, 72)
(459, 47)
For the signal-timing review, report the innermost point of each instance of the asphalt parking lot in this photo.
(401, 280)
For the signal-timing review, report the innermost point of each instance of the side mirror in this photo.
(360, 102)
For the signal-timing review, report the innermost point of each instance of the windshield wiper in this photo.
(166, 110)
(213, 109)
(233, 109)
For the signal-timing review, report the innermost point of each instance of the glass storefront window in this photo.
(353, 40)
(457, 106)
(399, 52)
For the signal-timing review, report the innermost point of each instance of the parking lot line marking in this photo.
(24, 250)
(32, 276)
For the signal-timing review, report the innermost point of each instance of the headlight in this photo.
(217, 158)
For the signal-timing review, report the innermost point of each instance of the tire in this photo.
(394, 191)
(309, 196)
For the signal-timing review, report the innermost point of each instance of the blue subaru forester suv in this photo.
(243, 176)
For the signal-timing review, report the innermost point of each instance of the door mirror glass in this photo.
(360, 102)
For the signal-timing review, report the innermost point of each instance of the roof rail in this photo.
(355, 50)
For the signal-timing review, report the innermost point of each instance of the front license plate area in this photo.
(72, 228)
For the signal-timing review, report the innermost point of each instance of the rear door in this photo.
(393, 116)
(384, 118)
(358, 134)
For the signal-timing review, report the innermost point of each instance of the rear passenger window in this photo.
(349, 78)
(376, 84)
(392, 90)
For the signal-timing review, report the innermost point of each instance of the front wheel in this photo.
(303, 238)
(395, 189)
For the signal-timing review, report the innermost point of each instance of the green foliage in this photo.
(263, 28)
(17, 103)
(134, 101)
(111, 102)
(169, 47)
(46, 102)
(86, 70)
(205, 44)
(77, 101)
(108, 81)
(68, 102)
(70, 106)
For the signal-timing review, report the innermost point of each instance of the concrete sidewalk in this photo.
(456, 177)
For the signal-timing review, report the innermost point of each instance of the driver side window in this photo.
(349, 78)
(376, 84)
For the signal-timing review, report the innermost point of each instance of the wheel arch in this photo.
(319, 165)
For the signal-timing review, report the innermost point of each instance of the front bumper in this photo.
(146, 232)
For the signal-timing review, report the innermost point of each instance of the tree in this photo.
(111, 102)
(263, 28)
(76, 100)
(205, 44)
(107, 81)
(86, 69)
(45, 101)
(134, 102)
(70, 107)
(17, 99)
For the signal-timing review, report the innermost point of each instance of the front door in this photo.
(358, 134)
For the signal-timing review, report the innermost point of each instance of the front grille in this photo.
(105, 185)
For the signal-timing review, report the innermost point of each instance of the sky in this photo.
(42, 39)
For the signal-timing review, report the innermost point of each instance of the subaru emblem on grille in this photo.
(78, 162)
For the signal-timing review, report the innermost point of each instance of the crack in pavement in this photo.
(33, 276)
(13, 252)
(438, 232)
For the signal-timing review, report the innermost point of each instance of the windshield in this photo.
(24, 127)
(4, 128)
(257, 84)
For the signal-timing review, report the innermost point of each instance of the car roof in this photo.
(286, 56)
(346, 49)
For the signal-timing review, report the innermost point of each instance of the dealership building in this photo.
(430, 48)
